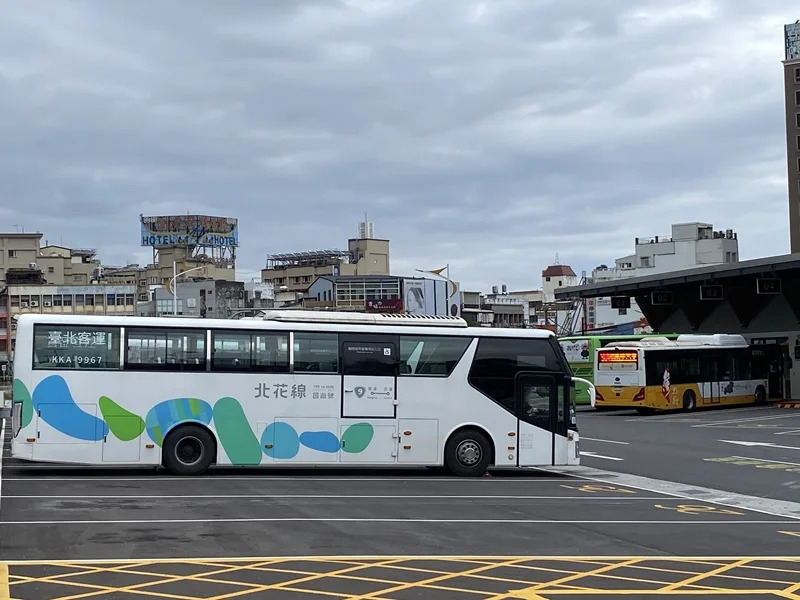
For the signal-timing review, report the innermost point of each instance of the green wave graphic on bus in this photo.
(279, 440)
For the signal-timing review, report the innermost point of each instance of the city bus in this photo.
(580, 351)
(291, 388)
(686, 373)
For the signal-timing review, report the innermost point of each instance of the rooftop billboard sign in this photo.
(189, 230)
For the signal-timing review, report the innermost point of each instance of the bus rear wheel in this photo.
(188, 450)
(761, 396)
(468, 453)
(689, 400)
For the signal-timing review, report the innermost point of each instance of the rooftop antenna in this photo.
(558, 263)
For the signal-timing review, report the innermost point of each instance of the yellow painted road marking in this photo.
(4, 593)
(596, 487)
(697, 509)
(329, 576)
(797, 533)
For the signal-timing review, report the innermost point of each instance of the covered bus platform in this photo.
(759, 299)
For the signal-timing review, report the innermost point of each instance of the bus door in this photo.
(541, 409)
(712, 370)
(369, 375)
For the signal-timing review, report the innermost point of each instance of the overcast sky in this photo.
(488, 135)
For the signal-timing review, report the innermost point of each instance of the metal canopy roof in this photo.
(633, 285)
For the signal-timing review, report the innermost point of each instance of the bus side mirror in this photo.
(589, 384)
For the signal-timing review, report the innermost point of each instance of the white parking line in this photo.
(267, 479)
(790, 432)
(747, 420)
(767, 506)
(333, 496)
(594, 455)
(557, 522)
(777, 462)
(604, 441)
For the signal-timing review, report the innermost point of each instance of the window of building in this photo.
(431, 356)
(164, 349)
(374, 355)
(243, 351)
(12, 254)
(143, 297)
(129, 299)
(797, 98)
(14, 301)
(498, 360)
(797, 74)
(316, 352)
(68, 300)
(75, 347)
(798, 142)
(51, 269)
(797, 120)
(645, 261)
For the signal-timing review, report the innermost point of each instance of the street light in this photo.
(173, 283)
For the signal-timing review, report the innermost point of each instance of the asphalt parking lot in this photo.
(749, 450)
(292, 533)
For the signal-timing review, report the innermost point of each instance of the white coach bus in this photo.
(290, 388)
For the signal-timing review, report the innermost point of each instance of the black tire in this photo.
(188, 450)
(468, 453)
(689, 400)
(761, 396)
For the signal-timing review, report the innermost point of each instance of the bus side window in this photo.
(373, 355)
(431, 356)
(316, 352)
(498, 360)
(75, 347)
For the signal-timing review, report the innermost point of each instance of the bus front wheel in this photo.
(468, 453)
(188, 450)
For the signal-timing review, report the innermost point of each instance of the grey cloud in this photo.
(488, 135)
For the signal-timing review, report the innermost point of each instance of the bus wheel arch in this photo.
(189, 449)
(760, 395)
(469, 451)
(689, 400)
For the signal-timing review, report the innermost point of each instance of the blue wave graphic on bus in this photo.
(56, 406)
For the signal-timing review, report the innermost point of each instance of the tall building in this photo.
(791, 83)
(690, 245)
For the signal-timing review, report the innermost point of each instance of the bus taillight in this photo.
(639, 395)
(598, 397)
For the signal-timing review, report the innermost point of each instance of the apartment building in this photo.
(690, 245)
(18, 251)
